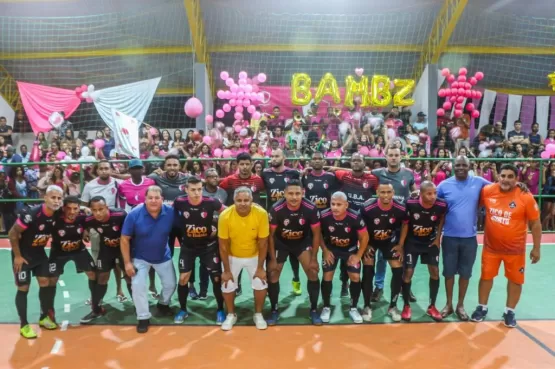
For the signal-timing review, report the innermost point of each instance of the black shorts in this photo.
(37, 267)
(108, 259)
(283, 251)
(386, 249)
(428, 255)
(82, 259)
(341, 254)
(209, 258)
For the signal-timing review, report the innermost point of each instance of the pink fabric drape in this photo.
(500, 107)
(41, 101)
(527, 111)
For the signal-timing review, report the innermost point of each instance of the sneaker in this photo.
(164, 310)
(479, 314)
(461, 314)
(434, 313)
(193, 295)
(315, 318)
(92, 316)
(297, 291)
(259, 321)
(345, 289)
(229, 322)
(367, 314)
(47, 323)
(355, 315)
(325, 315)
(28, 332)
(52, 315)
(220, 317)
(509, 319)
(203, 295)
(394, 314)
(142, 325)
(274, 317)
(377, 294)
(180, 316)
(406, 315)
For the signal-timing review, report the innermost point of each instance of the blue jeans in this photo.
(380, 267)
(140, 283)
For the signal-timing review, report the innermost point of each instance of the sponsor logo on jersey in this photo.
(286, 222)
(376, 221)
(512, 205)
(310, 186)
(331, 228)
(272, 180)
(41, 227)
(61, 232)
(186, 214)
(416, 216)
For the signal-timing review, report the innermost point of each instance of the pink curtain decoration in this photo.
(527, 112)
(41, 101)
(552, 113)
(500, 107)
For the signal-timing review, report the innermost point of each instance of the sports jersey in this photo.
(196, 221)
(243, 232)
(384, 225)
(220, 194)
(318, 188)
(294, 226)
(131, 194)
(402, 181)
(341, 233)
(232, 182)
(357, 189)
(37, 228)
(275, 182)
(68, 237)
(506, 220)
(171, 187)
(423, 222)
(109, 231)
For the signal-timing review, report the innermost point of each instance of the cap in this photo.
(420, 114)
(135, 163)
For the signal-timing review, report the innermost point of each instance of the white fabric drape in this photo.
(126, 134)
(542, 114)
(132, 99)
(487, 105)
(513, 111)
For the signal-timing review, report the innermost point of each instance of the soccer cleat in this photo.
(367, 314)
(345, 289)
(180, 316)
(509, 319)
(394, 314)
(315, 318)
(297, 291)
(434, 313)
(220, 317)
(479, 314)
(355, 315)
(377, 294)
(274, 317)
(47, 323)
(325, 314)
(202, 295)
(229, 322)
(27, 332)
(92, 316)
(259, 321)
(406, 315)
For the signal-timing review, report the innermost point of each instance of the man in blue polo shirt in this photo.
(144, 244)
(459, 243)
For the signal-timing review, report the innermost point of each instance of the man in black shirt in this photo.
(28, 237)
(319, 184)
(426, 217)
(294, 232)
(6, 131)
(108, 223)
(385, 219)
(194, 216)
(345, 238)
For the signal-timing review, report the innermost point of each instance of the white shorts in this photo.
(238, 264)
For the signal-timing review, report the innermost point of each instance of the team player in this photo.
(275, 179)
(509, 213)
(67, 243)
(319, 184)
(345, 238)
(426, 216)
(108, 223)
(194, 215)
(28, 237)
(294, 232)
(385, 219)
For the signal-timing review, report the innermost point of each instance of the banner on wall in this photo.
(126, 134)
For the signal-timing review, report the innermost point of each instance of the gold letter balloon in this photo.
(327, 86)
(381, 95)
(300, 89)
(406, 87)
(352, 88)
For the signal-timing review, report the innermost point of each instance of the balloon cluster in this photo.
(85, 93)
(549, 151)
(244, 94)
(459, 90)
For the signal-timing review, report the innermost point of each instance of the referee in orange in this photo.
(509, 213)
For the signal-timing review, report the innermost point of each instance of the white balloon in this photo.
(85, 95)
(356, 116)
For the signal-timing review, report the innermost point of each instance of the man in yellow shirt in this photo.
(243, 231)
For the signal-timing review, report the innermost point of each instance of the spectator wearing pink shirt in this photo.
(132, 191)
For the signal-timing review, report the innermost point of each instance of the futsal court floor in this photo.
(112, 341)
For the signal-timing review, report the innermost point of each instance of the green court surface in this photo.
(72, 292)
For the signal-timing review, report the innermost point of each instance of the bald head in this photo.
(277, 158)
(462, 166)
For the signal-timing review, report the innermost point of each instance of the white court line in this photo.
(57, 346)
(65, 323)
(67, 308)
(66, 294)
(61, 283)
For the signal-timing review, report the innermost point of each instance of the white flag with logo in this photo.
(126, 134)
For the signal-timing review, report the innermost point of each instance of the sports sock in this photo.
(51, 295)
(313, 288)
(273, 293)
(368, 272)
(217, 290)
(183, 294)
(21, 306)
(406, 292)
(294, 267)
(92, 287)
(434, 288)
(43, 299)
(396, 282)
(344, 276)
(507, 309)
(326, 293)
(354, 291)
(100, 292)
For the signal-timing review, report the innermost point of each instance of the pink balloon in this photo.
(224, 75)
(461, 91)
(545, 155)
(221, 94)
(232, 102)
(99, 143)
(207, 140)
(478, 94)
(237, 128)
(239, 109)
(453, 99)
(473, 81)
(256, 115)
(460, 99)
(246, 103)
(261, 77)
(441, 93)
(470, 107)
(249, 81)
(209, 119)
(240, 94)
(458, 113)
(227, 95)
(234, 88)
(60, 155)
(479, 75)
(447, 105)
(440, 112)
(445, 72)
(458, 106)
(89, 100)
(248, 88)
(233, 95)
(467, 93)
(243, 75)
(193, 107)
(473, 94)
(220, 113)
(238, 116)
(463, 71)
(455, 84)
(454, 91)
(243, 132)
(226, 154)
(447, 91)
(475, 114)
(550, 148)
(451, 78)
(227, 108)
(229, 82)
(239, 102)
(461, 78)
(255, 88)
(218, 153)
(84, 88)
(251, 109)
(242, 82)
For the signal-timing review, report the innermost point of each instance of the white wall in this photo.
(6, 111)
